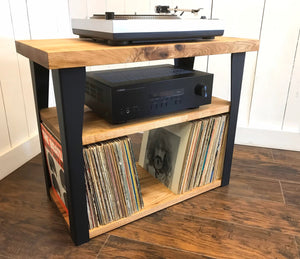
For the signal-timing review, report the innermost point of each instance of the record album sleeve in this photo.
(163, 151)
(53, 153)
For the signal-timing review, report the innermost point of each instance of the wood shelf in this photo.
(96, 129)
(68, 53)
(156, 197)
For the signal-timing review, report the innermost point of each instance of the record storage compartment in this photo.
(156, 196)
(67, 58)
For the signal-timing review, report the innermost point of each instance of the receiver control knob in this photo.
(127, 110)
(201, 90)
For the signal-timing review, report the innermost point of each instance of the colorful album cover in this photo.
(55, 164)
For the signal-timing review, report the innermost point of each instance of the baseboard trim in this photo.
(18, 155)
(268, 138)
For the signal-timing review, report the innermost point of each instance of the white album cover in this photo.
(163, 151)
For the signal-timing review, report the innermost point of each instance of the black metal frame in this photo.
(40, 84)
(187, 63)
(237, 68)
(69, 87)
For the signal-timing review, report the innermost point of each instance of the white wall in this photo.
(18, 141)
(270, 100)
(23, 19)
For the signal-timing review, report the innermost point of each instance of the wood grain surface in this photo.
(127, 248)
(287, 157)
(97, 129)
(261, 155)
(228, 222)
(270, 170)
(243, 185)
(298, 245)
(242, 210)
(67, 53)
(219, 239)
(291, 193)
(30, 224)
(156, 196)
(267, 163)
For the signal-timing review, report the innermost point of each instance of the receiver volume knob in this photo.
(201, 90)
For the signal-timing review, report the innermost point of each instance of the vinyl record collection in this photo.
(185, 155)
(113, 189)
(202, 153)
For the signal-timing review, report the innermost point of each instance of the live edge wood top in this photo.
(67, 53)
(96, 129)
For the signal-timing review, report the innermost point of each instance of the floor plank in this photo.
(286, 157)
(28, 177)
(126, 248)
(30, 225)
(246, 211)
(297, 239)
(245, 186)
(291, 192)
(270, 170)
(210, 237)
(24, 238)
(253, 153)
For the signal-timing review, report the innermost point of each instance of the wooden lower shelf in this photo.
(96, 129)
(156, 197)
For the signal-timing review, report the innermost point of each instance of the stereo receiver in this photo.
(120, 95)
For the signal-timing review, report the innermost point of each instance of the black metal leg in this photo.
(237, 68)
(40, 82)
(187, 63)
(69, 87)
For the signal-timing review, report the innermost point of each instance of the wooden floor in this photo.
(256, 216)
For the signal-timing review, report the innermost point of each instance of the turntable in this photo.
(164, 26)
